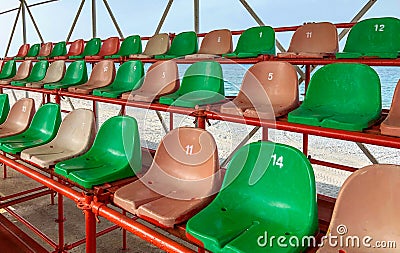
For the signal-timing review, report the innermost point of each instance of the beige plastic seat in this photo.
(269, 89)
(158, 44)
(313, 40)
(23, 72)
(367, 205)
(391, 125)
(103, 74)
(214, 44)
(184, 173)
(45, 51)
(19, 117)
(161, 79)
(75, 136)
(54, 73)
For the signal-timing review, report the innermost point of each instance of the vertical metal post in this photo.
(124, 245)
(305, 144)
(265, 133)
(94, 24)
(60, 219)
(196, 16)
(171, 121)
(90, 222)
(164, 15)
(75, 20)
(13, 30)
(307, 77)
(23, 22)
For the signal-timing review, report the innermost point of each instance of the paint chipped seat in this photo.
(102, 75)
(109, 47)
(268, 188)
(32, 52)
(76, 74)
(23, 72)
(156, 45)
(22, 52)
(92, 47)
(253, 42)
(115, 154)
(343, 96)
(19, 118)
(367, 206)
(8, 70)
(374, 37)
(214, 44)
(130, 45)
(269, 90)
(129, 77)
(183, 175)
(54, 73)
(391, 125)
(37, 74)
(161, 79)
(75, 136)
(184, 43)
(202, 84)
(75, 48)
(42, 129)
(44, 52)
(313, 40)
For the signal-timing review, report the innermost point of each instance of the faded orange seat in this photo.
(391, 125)
(19, 118)
(22, 73)
(184, 173)
(103, 74)
(54, 73)
(214, 44)
(313, 40)
(75, 48)
(22, 52)
(156, 45)
(109, 47)
(367, 206)
(45, 51)
(161, 79)
(269, 89)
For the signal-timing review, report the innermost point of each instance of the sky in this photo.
(141, 17)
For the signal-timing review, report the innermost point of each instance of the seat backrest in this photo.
(23, 50)
(39, 70)
(259, 39)
(367, 205)
(345, 88)
(46, 121)
(205, 75)
(274, 179)
(23, 70)
(103, 71)
(183, 44)
(21, 114)
(185, 164)
(9, 69)
(158, 44)
(129, 75)
(45, 50)
(4, 107)
(160, 77)
(315, 38)
(55, 72)
(76, 73)
(76, 47)
(59, 49)
(131, 45)
(33, 50)
(374, 35)
(110, 46)
(92, 47)
(217, 42)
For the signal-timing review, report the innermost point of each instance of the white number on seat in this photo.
(189, 149)
(260, 34)
(379, 28)
(105, 68)
(308, 35)
(24, 108)
(270, 76)
(277, 161)
(134, 67)
(219, 39)
(163, 74)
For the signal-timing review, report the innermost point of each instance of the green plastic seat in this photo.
(59, 49)
(130, 45)
(92, 47)
(253, 42)
(8, 70)
(76, 74)
(115, 154)
(374, 37)
(43, 128)
(268, 188)
(33, 52)
(37, 74)
(4, 107)
(129, 77)
(202, 84)
(343, 96)
(183, 44)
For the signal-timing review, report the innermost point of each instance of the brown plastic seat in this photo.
(214, 44)
(75, 136)
(313, 40)
(109, 47)
(156, 45)
(54, 73)
(45, 51)
(75, 48)
(19, 117)
(22, 52)
(391, 125)
(269, 89)
(103, 74)
(23, 72)
(367, 205)
(184, 173)
(161, 79)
